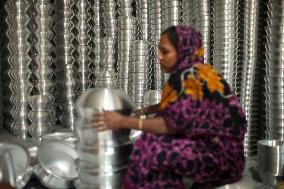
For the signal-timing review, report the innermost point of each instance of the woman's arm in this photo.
(148, 110)
(114, 120)
(154, 125)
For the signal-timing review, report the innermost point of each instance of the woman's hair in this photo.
(172, 35)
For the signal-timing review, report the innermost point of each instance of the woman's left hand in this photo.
(107, 120)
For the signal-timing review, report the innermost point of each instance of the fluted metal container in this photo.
(143, 17)
(171, 13)
(251, 69)
(96, 42)
(66, 50)
(155, 28)
(42, 120)
(126, 35)
(109, 18)
(274, 71)
(227, 25)
(203, 23)
(84, 28)
(17, 72)
(188, 12)
(138, 77)
(107, 77)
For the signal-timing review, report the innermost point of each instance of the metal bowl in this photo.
(57, 167)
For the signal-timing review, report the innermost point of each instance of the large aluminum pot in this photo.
(94, 100)
(105, 156)
(57, 168)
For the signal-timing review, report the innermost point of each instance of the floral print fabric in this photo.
(209, 122)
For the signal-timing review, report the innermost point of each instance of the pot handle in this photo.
(8, 169)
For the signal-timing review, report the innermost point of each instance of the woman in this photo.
(199, 127)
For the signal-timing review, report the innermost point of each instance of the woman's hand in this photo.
(107, 120)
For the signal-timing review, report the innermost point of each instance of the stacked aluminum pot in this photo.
(66, 65)
(155, 19)
(142, 15)
(226, 32)
(251, 71)
(274, 80)
(109, 18)
(138, 71)
(16, 76)
(84, 28)
(97, 42)
(107, 76)
(171, 13)
(126, 36)
(103, 155)
(42, 118)
(188, 13)
(202, 23)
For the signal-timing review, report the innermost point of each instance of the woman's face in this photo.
(167, 54)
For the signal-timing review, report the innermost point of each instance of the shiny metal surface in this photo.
(97, 99)
(90, 136)
(56, 136)
(105, 156)
(245, 182)
(270, 157)
(21, 161)
(57, 167)
(7, 168)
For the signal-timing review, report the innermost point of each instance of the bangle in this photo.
(140, 122)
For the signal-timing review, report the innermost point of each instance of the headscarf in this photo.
(189, 48)
(195, 89)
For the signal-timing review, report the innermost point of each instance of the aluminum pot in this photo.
(56, 167)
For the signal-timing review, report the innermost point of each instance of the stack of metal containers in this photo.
(188, 16)
(251, 70)
(84, 28)
(171, 13)
(107, 77)
(138, 71)
(42, 119)
(227, 24)
(65, 62)
(155, 20)
(97, 42)
(16, 69)
(127, 24)
(143, 17)
(274, 80)
(109, 18)
(202, 23)
(103, 157)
